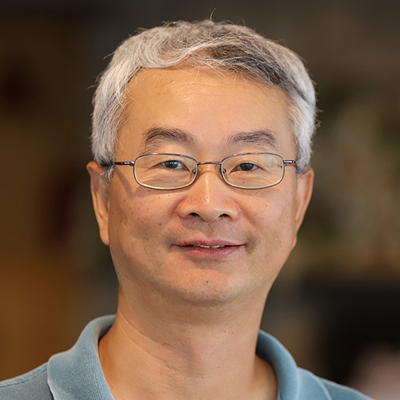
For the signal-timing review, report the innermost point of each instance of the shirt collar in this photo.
(77, 374)
(294, 383)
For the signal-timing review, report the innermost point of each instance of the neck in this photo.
(180, 351)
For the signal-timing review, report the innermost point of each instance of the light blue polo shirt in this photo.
(77, 374)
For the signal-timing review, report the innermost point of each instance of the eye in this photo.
(246, 167)
(173, 164)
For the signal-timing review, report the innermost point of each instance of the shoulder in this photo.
(30, 386)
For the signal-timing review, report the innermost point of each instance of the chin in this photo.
(212, 289)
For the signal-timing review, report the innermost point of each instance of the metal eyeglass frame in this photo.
(195, 172)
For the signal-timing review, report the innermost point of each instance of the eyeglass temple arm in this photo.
(131, 163)
(289, 162)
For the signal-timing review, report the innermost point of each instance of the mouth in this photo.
(215, 248)
(207, 244)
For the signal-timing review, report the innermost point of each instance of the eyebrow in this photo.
(258, 137)
(155, 136)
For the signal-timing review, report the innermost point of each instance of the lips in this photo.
(209, 247)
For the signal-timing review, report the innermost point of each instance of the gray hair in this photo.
(222, 46)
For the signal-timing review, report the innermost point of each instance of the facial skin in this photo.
(149, 231)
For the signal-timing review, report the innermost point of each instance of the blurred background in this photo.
(336, 305)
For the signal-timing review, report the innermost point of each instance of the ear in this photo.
(100, 190)
(303, 196)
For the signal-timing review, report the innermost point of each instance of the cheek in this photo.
(134, 227)
(136, 221)
(274, 219)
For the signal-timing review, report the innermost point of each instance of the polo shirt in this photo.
(77, 374)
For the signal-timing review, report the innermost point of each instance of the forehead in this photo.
(208, 105)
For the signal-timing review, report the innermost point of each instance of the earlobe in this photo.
(100, 197)
(303, 197)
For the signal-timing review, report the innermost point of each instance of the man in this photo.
(201, 139)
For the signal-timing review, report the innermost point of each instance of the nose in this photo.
(209, 198)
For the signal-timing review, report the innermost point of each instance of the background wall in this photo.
(336, 304)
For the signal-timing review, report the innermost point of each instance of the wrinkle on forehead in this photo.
(235, 78)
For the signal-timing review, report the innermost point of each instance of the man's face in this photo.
(155, 236)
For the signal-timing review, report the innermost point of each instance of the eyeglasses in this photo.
(165, 171)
